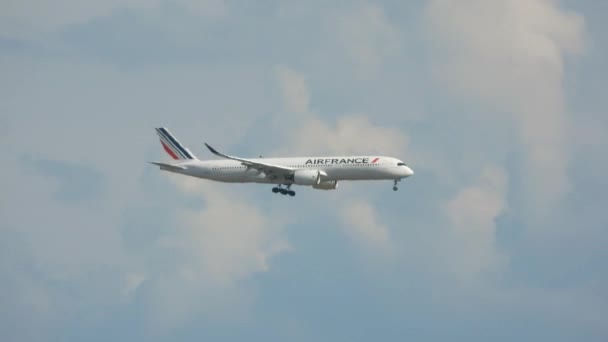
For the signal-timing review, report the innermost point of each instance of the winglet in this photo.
(214, 151)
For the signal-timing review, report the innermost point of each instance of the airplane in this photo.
(319, 172)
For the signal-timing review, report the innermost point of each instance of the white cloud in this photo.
(360, 222)
(103, 117)
(368, 37)
(296, 97)
(132, 282)
(472, 229)
(510, 54)
(228, 238)
(216, 247)
(351, 134)
(213, 249)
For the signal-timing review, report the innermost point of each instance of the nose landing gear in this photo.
(284, 191)
(395, 188)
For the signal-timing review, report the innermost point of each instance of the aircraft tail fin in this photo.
(173, 147)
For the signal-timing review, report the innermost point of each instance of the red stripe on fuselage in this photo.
(375, 160)
(168, 150)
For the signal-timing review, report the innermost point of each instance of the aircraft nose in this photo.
(408, 171)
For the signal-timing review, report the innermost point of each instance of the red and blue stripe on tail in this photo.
(176, 150)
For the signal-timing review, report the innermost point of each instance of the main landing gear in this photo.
(284, 191)
(395, 188)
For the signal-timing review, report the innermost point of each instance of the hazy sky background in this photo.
(498, 105)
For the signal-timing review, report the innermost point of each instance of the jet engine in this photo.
(327, 185)
(307, 177)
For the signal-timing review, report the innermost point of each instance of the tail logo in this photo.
(172, 146)
(168, 150)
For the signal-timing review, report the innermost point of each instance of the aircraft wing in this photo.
(267, 168)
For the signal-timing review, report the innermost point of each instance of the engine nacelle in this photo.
(307, 177)
(327, 185)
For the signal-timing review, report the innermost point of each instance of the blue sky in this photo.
(497, 105)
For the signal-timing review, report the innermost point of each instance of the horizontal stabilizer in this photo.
(169, 167)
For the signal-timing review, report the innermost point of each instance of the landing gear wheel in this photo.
(395, 188)
(284, 191)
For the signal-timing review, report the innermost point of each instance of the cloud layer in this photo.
(510, 56)
(499, 235)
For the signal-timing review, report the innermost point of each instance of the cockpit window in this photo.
(401, 164)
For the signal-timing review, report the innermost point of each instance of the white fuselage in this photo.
(333, 169)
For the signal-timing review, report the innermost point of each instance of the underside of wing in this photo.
(267, 168)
